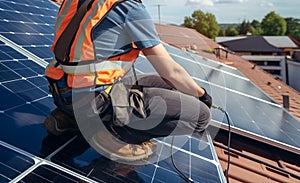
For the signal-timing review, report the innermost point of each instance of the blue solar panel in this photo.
(208, 62)
(27, 28)
(216, 73)
(29, 24)
(195, 158)
(17, 165)
(12, 164)
(250, 109)
(25, 102)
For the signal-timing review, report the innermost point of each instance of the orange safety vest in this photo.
(85, 70)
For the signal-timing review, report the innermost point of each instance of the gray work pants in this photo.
(169, 112)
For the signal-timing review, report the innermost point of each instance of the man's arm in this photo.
(171, 71)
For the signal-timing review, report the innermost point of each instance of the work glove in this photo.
(206, 99)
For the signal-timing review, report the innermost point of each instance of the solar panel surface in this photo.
(250, 109)
(29, 24)
(25, 102)
(29, 153)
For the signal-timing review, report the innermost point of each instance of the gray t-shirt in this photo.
(128, 22)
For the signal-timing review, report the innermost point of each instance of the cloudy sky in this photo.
(226, 11)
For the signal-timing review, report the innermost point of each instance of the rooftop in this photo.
(251, 157)
(256, 44)
(281, 41)
(276, 41)
(30, 154)
(182, 37)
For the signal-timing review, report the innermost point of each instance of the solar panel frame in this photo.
(32, 163)
(28, 57)
(28, 87)
(226, 96)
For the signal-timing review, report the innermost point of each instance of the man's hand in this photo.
(206, 99)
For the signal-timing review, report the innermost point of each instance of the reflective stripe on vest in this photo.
(95, 67)
(82, 49)
(65, 14)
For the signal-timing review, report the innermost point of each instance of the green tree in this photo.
(222, 32)
(188, 22)
(257, 26)
(245, 28)
(293, 27)
(231, 31)
(205, 23)
(273, 25)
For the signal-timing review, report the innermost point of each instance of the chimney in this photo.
(286, 101)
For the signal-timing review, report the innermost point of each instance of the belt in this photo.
(105, 88)
(54, 88)
(95, 67)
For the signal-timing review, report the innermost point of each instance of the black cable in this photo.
(228, 147)
(177, 169)
(187, 179)
(228, 142)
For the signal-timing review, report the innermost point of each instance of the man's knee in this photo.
(204, 117)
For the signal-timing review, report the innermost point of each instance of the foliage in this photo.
(293, 27)
(188, 22)
(205, 23)
(245, 28)
(231, 31)
(222, 32)
(257, 27)
(273, 25)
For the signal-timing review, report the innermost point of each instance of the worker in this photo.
(95, 63)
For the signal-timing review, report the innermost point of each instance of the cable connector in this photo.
(218, 107)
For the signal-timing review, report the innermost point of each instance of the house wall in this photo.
(294, 74)
(275, 65)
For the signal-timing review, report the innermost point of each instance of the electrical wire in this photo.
(182, 175)
(228, 140)
(228, 147)
(189, 180)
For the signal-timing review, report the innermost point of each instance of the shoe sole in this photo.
(140, 159)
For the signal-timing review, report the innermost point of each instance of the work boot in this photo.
(118, 150)
(59, 123)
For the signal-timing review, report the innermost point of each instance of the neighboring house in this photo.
(287, 43)
(293, 68)
(252, 160)
(283, 42)
(269, 52)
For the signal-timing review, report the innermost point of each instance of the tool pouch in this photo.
(126, 102)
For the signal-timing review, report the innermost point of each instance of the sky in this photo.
(225, 11)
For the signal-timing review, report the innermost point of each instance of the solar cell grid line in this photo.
(17, 165)
(217, 78)
(251, 115)
(25, 100)
(79, 157)
(12, 164)
(16, 90)
(33, 36)
(11, 87)
(201, 165)
(14, 50)
(262, 121)
(209, 62)
(142, 67)
(200, 69)
(29, 26)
